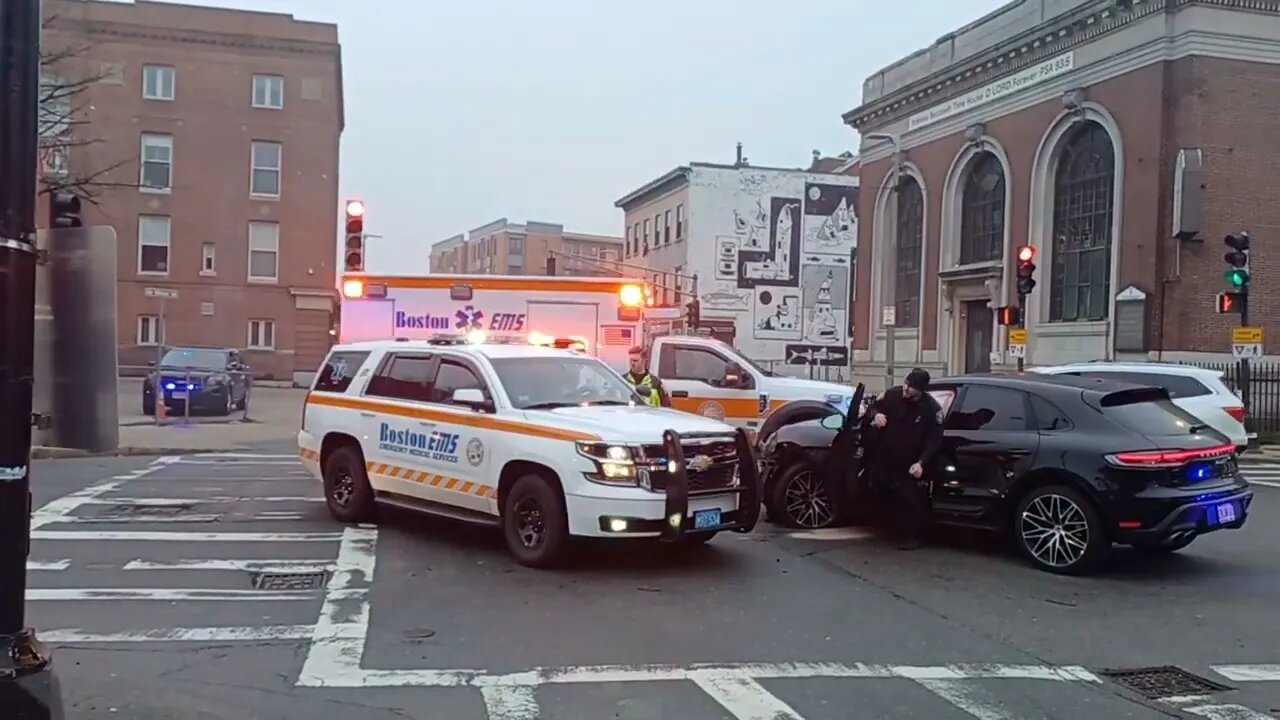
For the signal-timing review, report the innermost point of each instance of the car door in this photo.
(459, 458)
(988, 440)
(400, 387)
(695, 378)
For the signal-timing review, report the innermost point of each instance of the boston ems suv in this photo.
(544, 442)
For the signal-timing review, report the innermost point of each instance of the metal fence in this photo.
(1264, 392)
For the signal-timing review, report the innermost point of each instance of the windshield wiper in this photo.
(548, 405)
(608, 402)
(1198, 428)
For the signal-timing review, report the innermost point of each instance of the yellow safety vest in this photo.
(655, 398)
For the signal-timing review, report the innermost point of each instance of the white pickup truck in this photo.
(547, 444)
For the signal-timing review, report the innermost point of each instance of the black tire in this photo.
(347, 491)
(1082, 543)
(800, 498)
(534, 523)
(1157, 549)
(148, 406)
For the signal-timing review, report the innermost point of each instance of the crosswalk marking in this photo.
(742, 696)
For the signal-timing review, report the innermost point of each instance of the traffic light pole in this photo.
(28, 686)
(1245, 395)
(1022, 324)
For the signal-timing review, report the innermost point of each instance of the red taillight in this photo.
(1235, 412)
(1168, 458)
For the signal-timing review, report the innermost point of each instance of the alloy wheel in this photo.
(530, 526)
(344, 488)
(1054, 530)
(808, 503)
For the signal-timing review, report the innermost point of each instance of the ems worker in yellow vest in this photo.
(647, 385)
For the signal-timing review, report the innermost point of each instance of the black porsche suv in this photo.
(1067, 465)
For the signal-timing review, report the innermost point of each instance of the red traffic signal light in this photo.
(354, 230)
(1009, 315)
(1026, 254)
(1230, 303)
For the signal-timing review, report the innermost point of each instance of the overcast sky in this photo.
(463, 111)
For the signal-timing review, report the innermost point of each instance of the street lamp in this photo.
(887, 276)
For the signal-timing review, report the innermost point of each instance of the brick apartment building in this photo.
(1102, 132)
(506, 248)
(212, 138)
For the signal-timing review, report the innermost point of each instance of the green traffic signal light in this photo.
(1237, 278)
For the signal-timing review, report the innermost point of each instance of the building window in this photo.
(207, 253)
(910, 247)
(264, 252)
(150, 332)
(157, 163)
(982, 211)
(265, 169)
(645, 247)
(268, 92)
(516, 246)
(679, 222)
(158, 82)
(626, 243)
(657, 230)
(153, 244)
(666, 224)
(262, 335)
(1083, 195)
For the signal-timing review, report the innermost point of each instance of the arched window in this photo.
(910, 243)
(1083, 194)
(982, 211)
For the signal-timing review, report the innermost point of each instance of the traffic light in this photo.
(694, 313)
(1009, 316)
(64, 211)
(1238, 258)
(1026, 269)
(355, 236)
(1230, 303)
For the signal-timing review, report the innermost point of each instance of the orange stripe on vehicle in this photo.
(468, 419)
(466, 487)
(436, 480)
(483, 491)
(453, 483)
(528, 284)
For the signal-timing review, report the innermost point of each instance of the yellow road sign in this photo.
(1017, 336)
(1246, 336)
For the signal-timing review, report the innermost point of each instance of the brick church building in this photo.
(1121, 138)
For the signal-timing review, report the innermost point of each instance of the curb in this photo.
(41, 452)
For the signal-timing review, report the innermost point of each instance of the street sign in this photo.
(1017, 351)
(1246, 351)
(889, 315)
(1246, 336)
(162, 293)
(1017, 336)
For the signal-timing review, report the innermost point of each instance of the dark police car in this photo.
(1067, 465)
(210, 379)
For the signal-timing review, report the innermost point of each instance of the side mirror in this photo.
(470, 397)
(833, 422)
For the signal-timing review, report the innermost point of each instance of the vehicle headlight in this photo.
(615, 464)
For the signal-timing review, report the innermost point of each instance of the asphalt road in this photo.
(143, 575)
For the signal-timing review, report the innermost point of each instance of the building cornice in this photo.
(1060, 35)
(661, 185)
(131, 33)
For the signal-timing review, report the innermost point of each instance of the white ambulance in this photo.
(605, 317)
(548, 444)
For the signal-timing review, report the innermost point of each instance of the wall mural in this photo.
(789, 263)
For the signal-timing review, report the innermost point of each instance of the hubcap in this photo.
(1054, 530)
(344, 486)
(807, 501)
(529, 523)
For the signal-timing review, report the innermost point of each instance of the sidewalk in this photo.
(273, 417)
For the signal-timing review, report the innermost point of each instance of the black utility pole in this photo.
(1239, 277)
(28, 686)
(1026, 258)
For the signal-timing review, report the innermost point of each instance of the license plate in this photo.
(704, 519)
(178, 394)
(1226, 513)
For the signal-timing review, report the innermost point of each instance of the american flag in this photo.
(617, 335)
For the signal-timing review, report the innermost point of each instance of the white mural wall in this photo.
(774, 252)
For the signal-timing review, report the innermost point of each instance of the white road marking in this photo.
(510, 702)
(1263, 672)
(170, 502)
(334, 656)
(92, 535)
(226, 463)
(167, 594)
(37, 565)
(121, 519)
(1194, 704)
(248, 456)
(841, 533)
(1265, 483)
(965, 698)
(259, 633)
(743, 697)
(61, 508)
(271, 566)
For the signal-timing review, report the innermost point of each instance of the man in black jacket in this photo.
(906, 436)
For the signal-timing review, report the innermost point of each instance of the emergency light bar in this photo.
(355, 289)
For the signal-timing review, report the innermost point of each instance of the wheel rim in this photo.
(807, 501)
(1054, 530)
(530, 527)
(344, 487)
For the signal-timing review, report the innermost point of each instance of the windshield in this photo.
(195, 359)
(551, 382)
